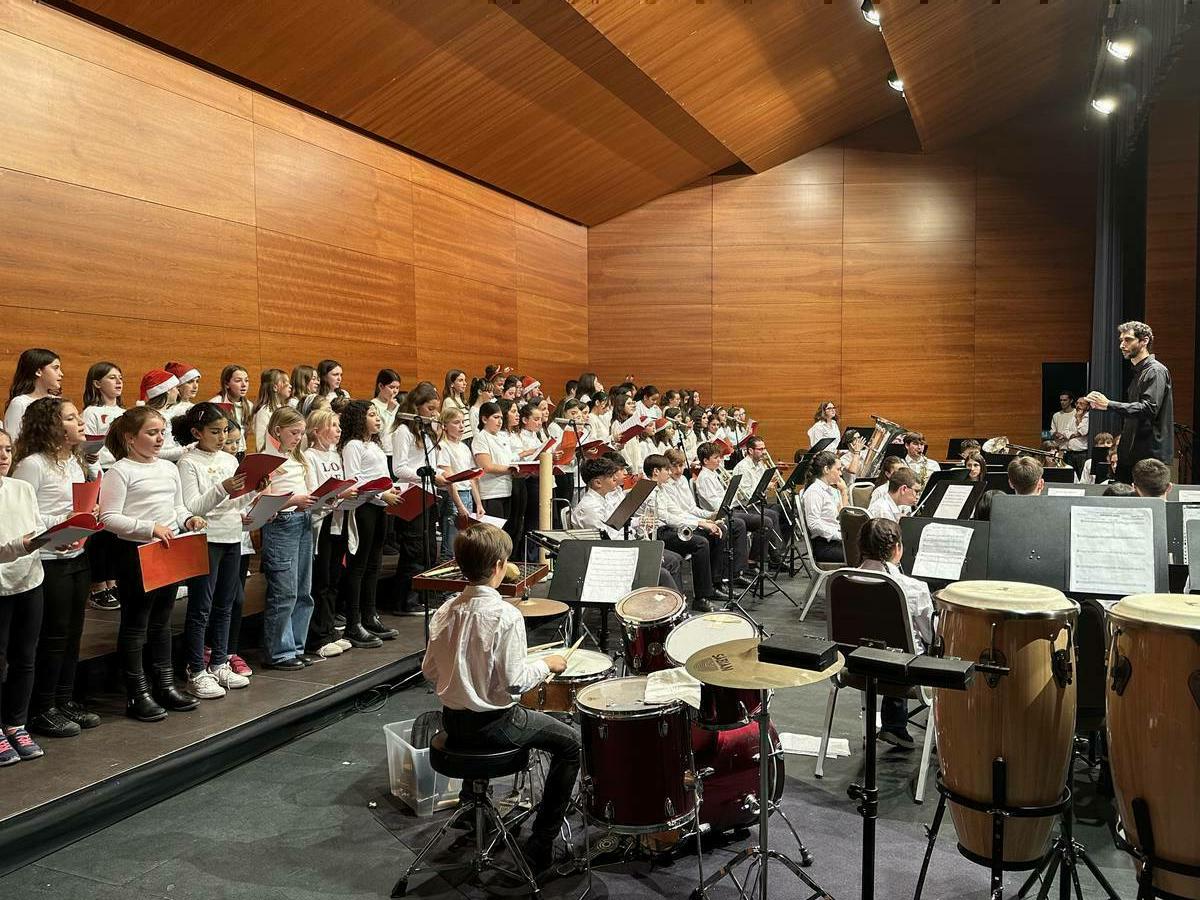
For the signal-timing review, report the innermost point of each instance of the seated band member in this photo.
(603, 477)
(710, 491)
(1025, 476)
(825, 424)
(900, 498)
(705, 545)
(751, 468)
(1151, 478)
(968, 446)
(478, 663)
(855, 453)
(1103, 439)
(879, 543)
(975, 465)
(823, 499)
(889, 465)
(681, 491)
(915, 459)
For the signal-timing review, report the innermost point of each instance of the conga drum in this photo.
(1026, 718)
(1153, 702)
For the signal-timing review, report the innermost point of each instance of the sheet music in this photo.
(1063, 490)
(1112, 550)
(1190, 514)
(1189, 496)
(952, 502)
(263, 507)
(609, 576)
(942, 552)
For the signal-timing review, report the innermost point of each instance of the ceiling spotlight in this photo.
(895, 82)
(1104, 105)
(870, 13)
(1121, 48)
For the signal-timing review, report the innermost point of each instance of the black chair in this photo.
(475, 768)
(1090, 672)
(851, 520)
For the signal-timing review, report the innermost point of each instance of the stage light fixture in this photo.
(870, 13)
(895, 82)
(1120, 48)
(1104, 105)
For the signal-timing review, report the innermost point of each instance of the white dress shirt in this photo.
(821, 430)
(593, 510)
(477, 657)
(751, 473)
(710, 489)
(598, 427)
(884, 507)
(821, 508)
(1076, 431)
(671, 510)
(916, 594)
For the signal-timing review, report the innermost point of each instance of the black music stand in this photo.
(1100, 469)
(957, 475)
(1187, 493)
(974, 567)
(787, 507)
(1178, 553)
(725, 511)
(931, 498)
(1193, 542)
(628, 507)
(759, 498)
(566, 584)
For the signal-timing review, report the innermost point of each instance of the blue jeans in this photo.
(210, 604)
(287, 557)
(450, 519)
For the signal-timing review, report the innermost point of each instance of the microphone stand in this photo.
(426, 473)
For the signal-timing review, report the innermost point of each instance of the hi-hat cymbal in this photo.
(734, 664)
(539, 607)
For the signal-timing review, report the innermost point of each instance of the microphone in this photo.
(565, 422)
(413, 417)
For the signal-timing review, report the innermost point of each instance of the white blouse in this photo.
(821, 430)
(497, 447)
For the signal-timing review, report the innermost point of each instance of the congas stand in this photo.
(1149, 863)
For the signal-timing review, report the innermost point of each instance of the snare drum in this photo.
(583, 668)
(1153, 700)
(648, 615)
(1026, 717)
(720, 708)
(637, 758)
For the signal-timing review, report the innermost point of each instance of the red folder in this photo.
(78, 527)
(625, 435)
(465, 475)
(724, 446)
(409, 506)
(526, 468)
(375, 484)
(332, 485)
(631, 480)
(566, 447)
(596, 449)
(85, 495)
(186, 558)
(256, 467)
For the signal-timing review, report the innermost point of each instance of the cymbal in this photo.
(539, 607)
(734, 664)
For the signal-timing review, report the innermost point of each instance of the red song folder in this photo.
(464, 475)
(80, 526)
(256, 467)
(85, 495)
(566, 447)
(596, 449)
(186, 558)
(409, 506)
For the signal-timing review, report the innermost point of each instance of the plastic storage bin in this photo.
(413, 780)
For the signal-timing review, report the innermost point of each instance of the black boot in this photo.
(167, 694)
(375, 626)
(139, 704)
(360, 637)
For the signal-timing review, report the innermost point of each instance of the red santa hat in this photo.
(529, 384)
(157, 382)
(182, 371)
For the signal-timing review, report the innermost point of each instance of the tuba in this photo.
(883, 435)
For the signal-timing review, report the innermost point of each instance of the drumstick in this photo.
(543, 646)
(567, 657)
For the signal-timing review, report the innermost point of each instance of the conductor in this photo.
(1148, 419)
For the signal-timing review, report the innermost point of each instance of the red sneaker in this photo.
(239, 665)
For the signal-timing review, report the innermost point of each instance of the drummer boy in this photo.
(477, 662)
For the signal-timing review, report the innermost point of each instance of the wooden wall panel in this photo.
(132, 258)
(311, 192)
(106, 256)
(72, 120)
(747, 213)
(1173, 170)
(310, 288)
(552, 340)
(909, 210)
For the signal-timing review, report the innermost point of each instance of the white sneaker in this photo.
(204, 685)
(344, 644)
(330, 649)
(227, 678)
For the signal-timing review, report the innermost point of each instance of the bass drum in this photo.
(1026, 717)
(1153, 701)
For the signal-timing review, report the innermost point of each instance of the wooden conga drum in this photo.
(1026, 718)
(1153, 701)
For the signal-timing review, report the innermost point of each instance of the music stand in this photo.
(1100, 467)
(1187, 493)
(570, 569)
(628, 507)
(1193, 542)
(1178, 552)
(759, 498)
(941, 476)
(974, 567)
(929, 505)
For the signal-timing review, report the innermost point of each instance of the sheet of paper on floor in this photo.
(810, 744)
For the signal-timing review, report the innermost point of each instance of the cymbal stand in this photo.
(760, 855)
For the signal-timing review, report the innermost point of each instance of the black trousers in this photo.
(532, 513)
(418, 542)
(361, 579)
(1076, 459)
(520, 727)
(145, 616)
(501, 508)
(516, 515)
(65, 590)
(825, 550)
(668, 572)
(894, 713)
(20, 623)
(698, 548)
(761, 538)
(327, 575)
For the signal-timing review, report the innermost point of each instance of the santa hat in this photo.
(157, 382)
(661, 424)
(529, 384)
(182, 371)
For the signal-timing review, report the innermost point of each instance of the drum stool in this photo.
(475, 768)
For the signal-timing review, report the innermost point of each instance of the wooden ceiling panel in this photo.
(972, 64)
(771, 80)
